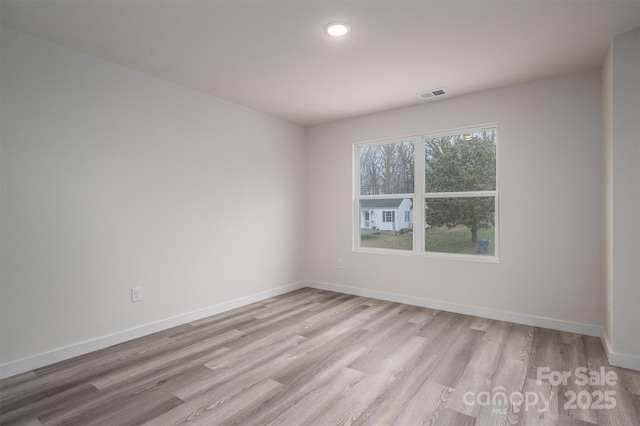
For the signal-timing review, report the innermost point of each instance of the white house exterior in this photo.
(386, 215)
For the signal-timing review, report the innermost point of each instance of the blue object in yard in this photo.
(483, 246)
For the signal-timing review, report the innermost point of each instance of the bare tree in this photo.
(387, 169)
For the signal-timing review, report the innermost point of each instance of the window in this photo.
(447, 181)
(385, 184)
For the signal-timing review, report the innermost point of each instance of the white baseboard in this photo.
(554, 324)
(37, 361)
(617, 359)
(27, 364)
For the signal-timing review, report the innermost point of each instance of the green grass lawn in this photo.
(457, 240)
(399, 242)
(440, 239)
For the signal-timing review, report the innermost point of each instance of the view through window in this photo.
(386, 220)
(448, 182)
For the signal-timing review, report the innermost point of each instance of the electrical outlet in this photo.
(136, 294)
(340, 263)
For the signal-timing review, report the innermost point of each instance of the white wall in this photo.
(550, 172)
(113, 179)
(622, 144)
(607, 187)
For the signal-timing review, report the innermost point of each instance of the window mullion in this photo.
(418, 199)
(467, 194)
(386, 196)
(356, 198)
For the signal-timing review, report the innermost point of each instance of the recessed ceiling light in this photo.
(337, 29)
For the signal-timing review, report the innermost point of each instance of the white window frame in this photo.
(419, 196)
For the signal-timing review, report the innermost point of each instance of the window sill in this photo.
(431, 255)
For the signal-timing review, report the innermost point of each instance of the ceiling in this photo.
(272, 55)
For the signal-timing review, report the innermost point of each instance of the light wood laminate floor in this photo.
(318, 357)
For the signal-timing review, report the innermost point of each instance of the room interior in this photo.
(202, 153)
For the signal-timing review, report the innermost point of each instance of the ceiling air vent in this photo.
(432, 93)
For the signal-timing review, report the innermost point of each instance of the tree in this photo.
(459, 164)
(387, 169)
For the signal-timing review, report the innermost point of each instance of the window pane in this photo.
(387, 224)
(460, 225)
(387, 169)
(460, 163)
